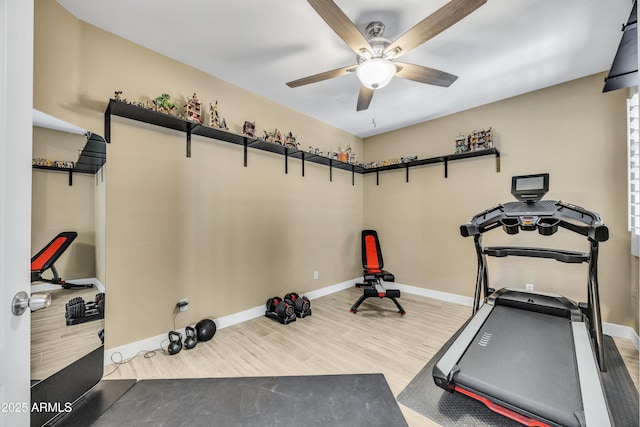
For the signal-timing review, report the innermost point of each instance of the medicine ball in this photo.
(205, 329)
(190, 341)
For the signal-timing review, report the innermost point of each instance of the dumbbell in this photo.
(283, 309)
(301, 304)
(75, 308)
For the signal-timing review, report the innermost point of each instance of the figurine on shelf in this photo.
(342, 156)
(277, 137)
(249, 129)
(461, 144)
(290, 141)
(64, 164)
(193, 109)
(117, 96)
(408, 159)
(214, 118)
(164, 105)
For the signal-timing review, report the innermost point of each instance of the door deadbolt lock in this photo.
(22, 301)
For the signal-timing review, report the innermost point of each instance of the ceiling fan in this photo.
(376, 56)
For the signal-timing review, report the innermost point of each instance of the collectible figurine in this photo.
(117, 96)
(193, 109)
(461, 144)
(163, 104)
(290, 141)
(249, 129)
(277, 137)
(214, 118)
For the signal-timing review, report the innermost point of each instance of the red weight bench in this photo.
(45, 259)
(374, 275)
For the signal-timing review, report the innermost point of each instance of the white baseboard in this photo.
(442, 296)
(44, 287)
(154, 343)
(620, 331)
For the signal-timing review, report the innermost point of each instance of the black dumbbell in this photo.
(280, 307)
(301, 304)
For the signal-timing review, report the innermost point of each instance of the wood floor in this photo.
(55, 345)
(331, 341)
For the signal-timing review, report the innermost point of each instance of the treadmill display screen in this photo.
(528, 184)
(530, 188)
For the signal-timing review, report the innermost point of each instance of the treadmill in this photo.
(533, 357)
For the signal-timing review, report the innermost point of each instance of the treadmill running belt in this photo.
(499, 365)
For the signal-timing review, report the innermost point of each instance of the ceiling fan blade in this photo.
(421, 74)
(364, 98)
(433, 25)
(322, 76)
(341, 24)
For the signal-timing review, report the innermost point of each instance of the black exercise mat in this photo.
(327, 400)
(448, 410)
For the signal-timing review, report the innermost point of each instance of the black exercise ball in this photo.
(206, 329)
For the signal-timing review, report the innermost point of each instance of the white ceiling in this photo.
(503, 49)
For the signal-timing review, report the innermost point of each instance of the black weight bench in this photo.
(374, 276)
(46, 258)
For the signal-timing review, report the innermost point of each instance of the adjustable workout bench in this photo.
(374, 275)
(45, 259)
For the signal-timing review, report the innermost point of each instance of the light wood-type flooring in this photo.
(330, 341)
(55, 345)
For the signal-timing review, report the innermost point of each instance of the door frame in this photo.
(16, 106)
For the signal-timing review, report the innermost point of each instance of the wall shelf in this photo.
(90, 161)
(438, 159)
(134, 112)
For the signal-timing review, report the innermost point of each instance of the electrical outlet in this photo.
(529, 286)
(315, 275)
(183, 305)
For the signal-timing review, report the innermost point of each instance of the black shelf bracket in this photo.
(446, 167)
(107, 124)
(353, 175)
(286, 160)
(189, 128)
(246, 145)
(330, 170)
(407, 172)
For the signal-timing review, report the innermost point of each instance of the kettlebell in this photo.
(190, 341)
(175, 343)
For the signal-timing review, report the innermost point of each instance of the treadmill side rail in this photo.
(443, 370)
(593, 400)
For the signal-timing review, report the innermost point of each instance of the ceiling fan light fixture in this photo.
(376, 73)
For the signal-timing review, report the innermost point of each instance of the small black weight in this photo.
(175, 343)
(190, 340)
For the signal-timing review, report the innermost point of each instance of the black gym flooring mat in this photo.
(325, 400)
(424, 397)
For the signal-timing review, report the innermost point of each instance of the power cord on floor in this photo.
(148, 354)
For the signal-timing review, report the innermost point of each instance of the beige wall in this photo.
(205, 227)
(229, 237)
(57, 206)
(573, 131)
